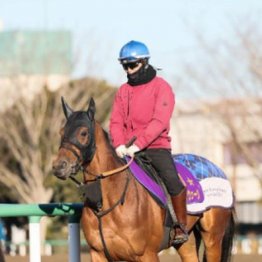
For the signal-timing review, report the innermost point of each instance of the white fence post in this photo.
(35, 212)
(34, 239)
(74, 239)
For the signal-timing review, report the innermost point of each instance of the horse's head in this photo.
(77, 141)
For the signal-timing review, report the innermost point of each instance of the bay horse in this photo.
(120, 219)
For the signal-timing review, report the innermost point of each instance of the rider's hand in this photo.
(132, 150)
(121, 151)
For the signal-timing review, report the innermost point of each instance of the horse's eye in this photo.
(84, 133)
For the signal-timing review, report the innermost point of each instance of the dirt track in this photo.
(163, 258)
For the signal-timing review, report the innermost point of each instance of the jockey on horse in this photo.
(142, 108)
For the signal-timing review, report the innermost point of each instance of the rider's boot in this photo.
(179, 205)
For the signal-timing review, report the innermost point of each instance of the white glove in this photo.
(121, 151)
(132, 150)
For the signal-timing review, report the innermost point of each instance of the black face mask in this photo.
(80, 119)
(144, 75)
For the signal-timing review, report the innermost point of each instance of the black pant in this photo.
(163, 162)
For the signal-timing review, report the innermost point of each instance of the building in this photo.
(31, 59)
(229, 133)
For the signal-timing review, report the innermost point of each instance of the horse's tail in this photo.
(227, 242)
(2, 257)
(198, 238)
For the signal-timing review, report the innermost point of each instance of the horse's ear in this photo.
(67, 110)
(91, 109)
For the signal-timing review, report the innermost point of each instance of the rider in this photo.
(142, 108)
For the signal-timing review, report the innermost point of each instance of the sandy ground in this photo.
(163, 258)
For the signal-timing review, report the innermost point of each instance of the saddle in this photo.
(147, 175)
(144, 163)
(157, 188)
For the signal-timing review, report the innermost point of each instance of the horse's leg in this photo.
(213, 225)
(149, 256)
(188, 250)
(97, 256)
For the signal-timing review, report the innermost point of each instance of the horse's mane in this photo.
(106, 134)
(109, 143)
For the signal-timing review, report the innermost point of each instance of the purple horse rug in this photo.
(207, 185)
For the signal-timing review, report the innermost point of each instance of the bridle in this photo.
(78, 165)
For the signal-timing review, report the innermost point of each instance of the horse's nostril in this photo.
(63, 164)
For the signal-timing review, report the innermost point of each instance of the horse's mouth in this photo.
(64, 173)
(60, 174)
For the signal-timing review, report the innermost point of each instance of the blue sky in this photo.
(101, 27)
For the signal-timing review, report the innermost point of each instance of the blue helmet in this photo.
(133, 51)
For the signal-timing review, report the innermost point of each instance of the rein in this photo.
(103, 174)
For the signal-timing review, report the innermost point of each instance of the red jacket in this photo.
(143, 111)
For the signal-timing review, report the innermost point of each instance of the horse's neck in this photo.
(104, 158)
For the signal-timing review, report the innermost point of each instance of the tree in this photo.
(29, 136)
(229, 74)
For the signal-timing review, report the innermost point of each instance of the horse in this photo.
(121, 221)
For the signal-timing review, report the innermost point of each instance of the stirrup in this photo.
(177, 239)
(180, 239)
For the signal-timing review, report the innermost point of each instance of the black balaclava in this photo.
(144, 75)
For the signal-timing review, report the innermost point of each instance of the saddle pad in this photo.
(144, 179)
(216, 189)
(207, 185)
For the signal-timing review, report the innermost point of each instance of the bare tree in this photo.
(29, 136)
(229, 74)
